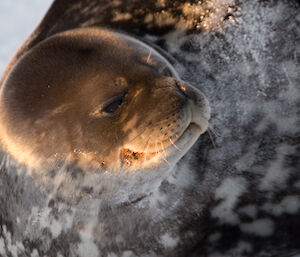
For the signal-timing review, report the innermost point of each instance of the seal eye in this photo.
(114, 104)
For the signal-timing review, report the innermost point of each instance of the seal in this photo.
(100, 98)
(235, 195)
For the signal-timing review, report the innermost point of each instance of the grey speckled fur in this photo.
(235, 194)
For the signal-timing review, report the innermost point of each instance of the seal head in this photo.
(91, 96)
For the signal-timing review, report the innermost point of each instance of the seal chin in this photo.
(134, 160)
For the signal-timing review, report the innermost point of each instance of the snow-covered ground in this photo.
(18, 18)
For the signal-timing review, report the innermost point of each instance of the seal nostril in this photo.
(181, 88)
(188, 91)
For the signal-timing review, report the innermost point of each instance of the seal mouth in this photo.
(184, 141)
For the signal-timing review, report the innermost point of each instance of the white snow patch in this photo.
(55, 228)
(87, 247)
(2, 247)
(128, 254)
(44, 219)
(275, 209)
(168, 241)
(119, 239)
(276, 174)
(286, 123)
(183, 174)
(157, 197)
(261, 227)
(47, 221)
(174, 40)
(20, 246)
(248, 158)
(291, 71)
(10, 247)
(34, 253)
(68, 220)
(112, 255)
(13, 250)
(290, 205)
(17, 20)
(244, 247)
(249, 210)
(229, 191)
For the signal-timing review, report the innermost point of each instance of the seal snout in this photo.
(199, 104)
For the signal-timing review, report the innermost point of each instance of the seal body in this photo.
(95, 114)
(234, 195)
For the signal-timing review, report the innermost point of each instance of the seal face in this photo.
(99, 98)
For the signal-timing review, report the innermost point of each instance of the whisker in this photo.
(164, 154)
(137, 136)
(149, 56)
(211, 138)
(158, 122)
(146, 149)
(146, 145)
(166, 161)
(162, 68)
(175, 145)
(214, 131)
(162, 147)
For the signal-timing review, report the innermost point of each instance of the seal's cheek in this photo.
(102, 134)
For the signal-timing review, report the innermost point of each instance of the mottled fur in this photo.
(239, 197)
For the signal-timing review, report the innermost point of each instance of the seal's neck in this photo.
(75, 184)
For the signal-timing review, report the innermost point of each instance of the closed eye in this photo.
(113, 105)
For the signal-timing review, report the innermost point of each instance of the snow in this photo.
(18, 19)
